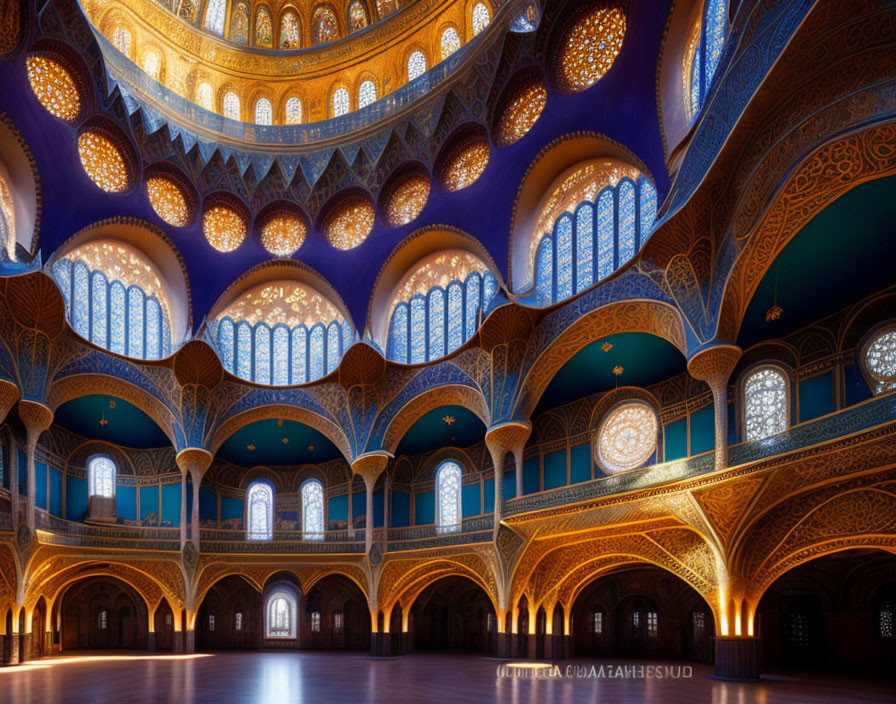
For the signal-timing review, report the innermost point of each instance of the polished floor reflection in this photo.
(286, 678)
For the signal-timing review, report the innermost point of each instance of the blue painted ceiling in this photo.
(125, 424)
(277, 443)
(432, 432)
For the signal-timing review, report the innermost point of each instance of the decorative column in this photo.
(501, 439)
(714, 365)
(370, 467)
(193, 461)
(9, 394)
(37, 418)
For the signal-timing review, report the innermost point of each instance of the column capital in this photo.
(714, 364)
(194, 459)
(9, 394)
(509, 436)
(371, 465)
(36, 416)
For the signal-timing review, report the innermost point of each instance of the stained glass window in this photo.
(260, 511)
(324, 27)
(703, 53)
(598, 623)
(406, 199)
(290, 37)
(101, 476)
(224, 228)
(357, 16)
(366, 94)
(282, 235)
(264, 30)
(450, 42)
(54, 87)
(652, 623)
(103, 162)
(525, 22)
(466, 164)
(7, 221)
(564, 257)
(239, 24)
(627, 437)
(521, 112)
(264, 114)
(121, 38)
(168, 200)
(315, 621)
(272, 343)
(435, 309)
(205, 96)
(607, 199)
(152, 64)
(887, 621)
(448, 484)
(341, 101)
(280, 612)
(590, 47)
(416, 65)
(386, 7)
(349, 222)
(238, 621)
(312, 510)
(880, 361)
(214, 16)
(293, 111)
(231, 105)
(765, 404)
(481, 17)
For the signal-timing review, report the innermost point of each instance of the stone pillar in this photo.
(177, 644)
(37, 418)
(501, 439)
(48, 643)
(195, 461)
(190, 641)
(370, 466)
(714, 365)
(737, 658)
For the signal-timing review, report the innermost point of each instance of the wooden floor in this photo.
(330, 678)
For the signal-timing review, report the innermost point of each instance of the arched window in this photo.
(366, 94)
(122, 40)
(880, 361)
(357, 16)
(290, 36)
(293, 111)
(765, 403)
(627, 437)
(214, 16)
(276, 333)
(205, 96)
(115, 298)
(437, 307)
(448, 484)
(280, 612)
(315, 621)
(703, 53)
(238, 621)
(231, 105)
(260, 511)
(264, 31)
(239, 24)
(597, 622)
(152, 64)
(264, 114)
(101, 476)
(7, 221)
(450, 42)
(324, 27)
(595, 220)
(312, 510)
(481, 17)
(416, 65)
(340, 102)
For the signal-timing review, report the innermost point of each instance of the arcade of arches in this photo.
(518, 329)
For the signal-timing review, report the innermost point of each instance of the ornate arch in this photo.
(403, 578)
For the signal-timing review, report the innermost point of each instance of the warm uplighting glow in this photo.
(103, 162)
(45, 663)
(54, 87)
(168, 200)
(283, 234)
(349, 223)
(224, 229)
(590, 47)
(466, 165)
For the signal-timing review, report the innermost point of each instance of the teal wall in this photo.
(171, 504)
(816, 396)
(532, 475)
(337, 510)
(555, 469)
(703, 430)
(379, 508)
(579, 463)
(401, 509)
(208, 505)
(855, 387)
(359, 504)
(675, 440)
(231, 507)
(424, 508)
(55, 492)
(126, 502)
(40, 485)
(469, 500)
(149, 504)
(509, 485)
(76, 498)
(488, 495)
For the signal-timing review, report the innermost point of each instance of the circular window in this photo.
(224, 228)
(283, 234)
(405, 200)
(168, 200)
(521, 109)
(627, 437)
(103, 162)
(349, 222)
(880, 361)
(465, 163)
(54, 87)
(590, 47)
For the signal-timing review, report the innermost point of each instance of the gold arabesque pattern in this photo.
(103, 162)
(521, 113)
(349, 222)
(168, 200)
(466, 165)
(224, 228)
(54, 87)
(407, 199)
(590, 47)
(283, 234)
(288, 302)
